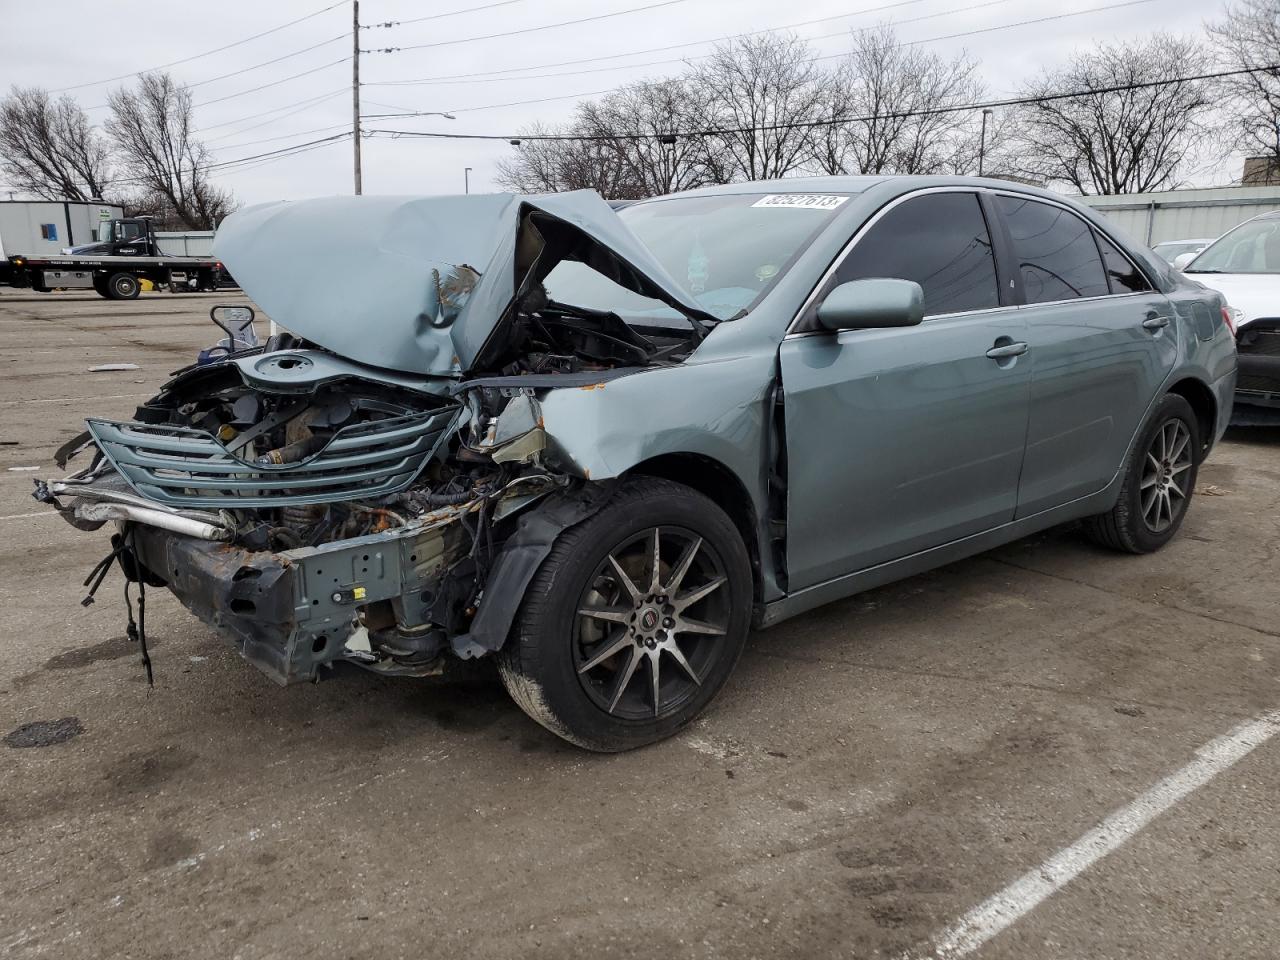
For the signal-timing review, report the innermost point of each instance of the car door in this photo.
(903, 439)
(1101, 341)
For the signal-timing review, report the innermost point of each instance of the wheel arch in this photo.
(1198, 393)
(718, 483)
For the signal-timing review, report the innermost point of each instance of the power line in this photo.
(241, 162)
(197, 56)
(281, 153)
(438, 16)
(301, 105)
(245, 93)
(282, 136)
(656, 63)
(267, 63)
(462, 77)
(274, 83)
(835, 121)
(523, 30)
(830, 56)
(1024, 23)
(490, 106)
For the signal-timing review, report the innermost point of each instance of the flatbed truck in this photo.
(115, 266)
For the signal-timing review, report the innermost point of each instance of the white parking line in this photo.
(1035, 886)
(27, 516)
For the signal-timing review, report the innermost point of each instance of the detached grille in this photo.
(184, 467)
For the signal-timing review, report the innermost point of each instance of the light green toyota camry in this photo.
(601, 445)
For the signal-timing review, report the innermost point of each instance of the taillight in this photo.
(1226, 318)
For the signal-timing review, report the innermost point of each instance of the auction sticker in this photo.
(806, 201)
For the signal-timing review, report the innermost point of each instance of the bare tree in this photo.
(152, 127)
(1113, 137)
(1248, 38)
(566, 159)
(899, 98)
(766, 93)
(49, 148)
(639, 123)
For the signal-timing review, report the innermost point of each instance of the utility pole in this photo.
(355, 88)
(466, 179)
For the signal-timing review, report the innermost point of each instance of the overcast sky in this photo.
(88, 41)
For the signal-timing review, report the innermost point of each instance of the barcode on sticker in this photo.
(807, 201)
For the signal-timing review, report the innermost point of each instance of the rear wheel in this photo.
(1159, 477)
(634, 621)
(123, 286)
(100, 285)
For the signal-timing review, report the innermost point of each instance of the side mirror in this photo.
(1182, 259)
(878, 302)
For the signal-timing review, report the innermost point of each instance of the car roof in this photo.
(895, 183)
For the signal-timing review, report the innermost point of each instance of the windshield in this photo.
(728, 251)
(1253, 247)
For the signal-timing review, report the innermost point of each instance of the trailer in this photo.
(39, 227)
(125, 253)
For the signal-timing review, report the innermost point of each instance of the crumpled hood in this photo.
(419, 284)
(1254, 294)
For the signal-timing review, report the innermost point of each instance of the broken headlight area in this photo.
(312, 510)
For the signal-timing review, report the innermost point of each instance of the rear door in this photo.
(903, 439)
(1101, 343)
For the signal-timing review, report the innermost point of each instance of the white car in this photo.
(1244, 266)
(1170, 250)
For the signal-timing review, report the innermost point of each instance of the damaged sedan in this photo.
(600, 445)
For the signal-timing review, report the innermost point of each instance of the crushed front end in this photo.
(312, 509)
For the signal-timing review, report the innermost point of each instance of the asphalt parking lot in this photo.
(871, 777)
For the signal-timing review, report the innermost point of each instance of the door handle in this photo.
(1005, 350)
(1156, 322)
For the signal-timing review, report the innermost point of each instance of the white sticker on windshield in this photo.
(807, 201)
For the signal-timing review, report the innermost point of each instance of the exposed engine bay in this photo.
(329, 510)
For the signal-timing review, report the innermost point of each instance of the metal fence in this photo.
(1184, 214)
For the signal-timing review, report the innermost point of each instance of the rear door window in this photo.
(1055, 251)
(939, 240)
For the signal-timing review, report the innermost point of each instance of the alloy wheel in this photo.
(1163, 489)
(651, 623)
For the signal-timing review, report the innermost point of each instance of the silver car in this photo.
(601, 445)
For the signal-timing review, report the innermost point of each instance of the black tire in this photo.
(545, 664)
(1128, 526)
(123, 286)
(100, 287)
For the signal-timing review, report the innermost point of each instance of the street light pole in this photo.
(982, 143)
(355, 88)
(466, 179)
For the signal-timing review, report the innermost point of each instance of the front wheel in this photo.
(1159, 477)
(634, 621)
